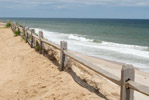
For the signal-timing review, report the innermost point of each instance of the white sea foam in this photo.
(121, 49)
(125, 45)
(135, 50)
(79, 38)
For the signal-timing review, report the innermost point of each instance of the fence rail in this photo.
(126, 82)
(138, 87)
(51, 43)
(95, 68)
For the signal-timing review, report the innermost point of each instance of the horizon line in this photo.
(74, 18)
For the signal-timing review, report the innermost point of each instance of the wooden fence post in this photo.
(40, 37)
(127, 73)
(19, 30)
(23, 31)
(26, 37)
(14, 27)
(11, 26)
(63, 46)
(32, 41)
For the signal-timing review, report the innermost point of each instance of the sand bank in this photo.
(27, 75)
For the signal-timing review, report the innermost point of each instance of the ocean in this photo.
(122, 40)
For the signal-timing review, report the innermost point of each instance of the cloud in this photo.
(61, 6)
(82, 2)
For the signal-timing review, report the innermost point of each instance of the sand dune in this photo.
(27, 75)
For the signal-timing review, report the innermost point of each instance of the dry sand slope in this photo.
(27, 75)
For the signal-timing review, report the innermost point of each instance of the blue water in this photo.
(123, 40)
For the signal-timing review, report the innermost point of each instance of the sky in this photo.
(130, 9)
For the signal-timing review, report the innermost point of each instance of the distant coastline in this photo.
(72, 18)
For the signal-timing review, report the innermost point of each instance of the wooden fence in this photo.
(126, 82)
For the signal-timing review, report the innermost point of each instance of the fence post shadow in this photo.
(51, 58)
(84, 83)
(76, 78)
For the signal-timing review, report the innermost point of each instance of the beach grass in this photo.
(37, 47)
(23, 38)
(7, 25)
(17, 33)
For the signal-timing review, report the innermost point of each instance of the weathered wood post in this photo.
(23, 32)
(127, 73)
(14, 27)
(19, 30)
(32, 41)
(63, 58)
(26, 37)
(11, 26)
(40, 39)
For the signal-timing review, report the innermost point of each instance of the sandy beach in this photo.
(27, 75)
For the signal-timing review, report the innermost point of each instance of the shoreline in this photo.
(83, 46)
(118, 64)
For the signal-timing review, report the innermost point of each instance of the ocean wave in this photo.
(108, 44)
(135, 50)
(108, 47)
(143, 48)
(79, 38)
